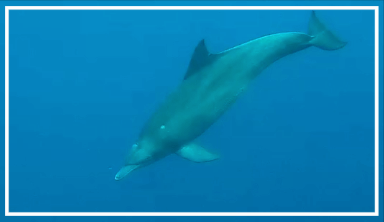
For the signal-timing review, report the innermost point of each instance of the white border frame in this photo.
(374, 8)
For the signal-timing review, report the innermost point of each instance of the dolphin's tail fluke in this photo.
(322, 37)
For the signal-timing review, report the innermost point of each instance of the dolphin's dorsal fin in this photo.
(200, 58)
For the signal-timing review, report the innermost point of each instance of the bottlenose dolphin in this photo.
(211, 85)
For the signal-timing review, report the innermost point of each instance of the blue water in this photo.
(83, 83)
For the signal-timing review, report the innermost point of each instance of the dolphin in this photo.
(211, 84)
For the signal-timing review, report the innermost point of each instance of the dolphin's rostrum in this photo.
(211, 84)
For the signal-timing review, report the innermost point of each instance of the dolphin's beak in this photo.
(124, 171)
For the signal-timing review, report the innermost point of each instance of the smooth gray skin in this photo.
(212, 84)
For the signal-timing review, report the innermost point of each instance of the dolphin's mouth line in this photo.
(124, 171)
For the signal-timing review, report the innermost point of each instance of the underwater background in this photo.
(83, 83)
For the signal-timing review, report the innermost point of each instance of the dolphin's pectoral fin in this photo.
(124, 171)
(200, 58)
(196, 153)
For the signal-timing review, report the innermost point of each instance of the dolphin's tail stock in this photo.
(322, 37)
